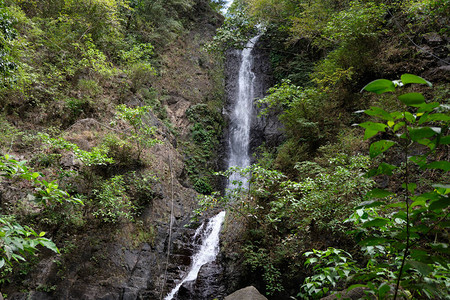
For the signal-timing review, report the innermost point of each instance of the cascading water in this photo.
(207, 252)
(239, 140)
(238, 143)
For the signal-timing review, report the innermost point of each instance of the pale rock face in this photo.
(248, 293)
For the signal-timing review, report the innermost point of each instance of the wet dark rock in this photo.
(264, 129)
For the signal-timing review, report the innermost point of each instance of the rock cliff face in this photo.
(129, 261)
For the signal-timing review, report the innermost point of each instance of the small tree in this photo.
(403, 232)
(141, 134)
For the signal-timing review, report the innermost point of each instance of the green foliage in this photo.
(310, 20)
(287, 211)
(361, 20)
(429, 14)
(138, 65)
(158, 21)
(94, 59)
(8, 49)
(96, 157)
(331, 266)
(235, 32)
(202, 186)
(17, 241)
(401, 231)
(112, 204)
(141, 189)
(298, 106)
(257, 258)
(46, 193)
(100, 18)
(201, 153)
(217, 5)
(140, 133)
(9, 134)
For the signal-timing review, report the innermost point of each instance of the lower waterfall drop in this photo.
(207, 252)
(239, 140)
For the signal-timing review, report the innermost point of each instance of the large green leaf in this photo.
(410, 78)
(383, 168)
(411, 186)
(423, 269)
(434, 117)
(441, 203)
(442, 165)
(445, 140)
(372, 128)
(412, 99)
(417, 134)
(48, 244)
(383, 289)
(379, 147)
(379, 112)
(380, 86)
(427, 107)
(379, 193)
(420, 255)
(378, 222)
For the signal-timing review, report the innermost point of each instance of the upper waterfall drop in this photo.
(240, 121)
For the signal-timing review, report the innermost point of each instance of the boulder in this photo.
(248, 293)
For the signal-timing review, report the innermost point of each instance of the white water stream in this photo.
(207, 252)
(239, 156)
(240, 120)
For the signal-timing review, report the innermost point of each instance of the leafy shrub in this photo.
(258, 259)
(121, 151)
(139, 66)
(45, 193)
(94, 59)
(96, 157)
(141, 189)
(112, 204)
(7, 60)
(359, 20)
(17, 240)
(331, 266)
(398, 230)
(201, 185)
(140, 133)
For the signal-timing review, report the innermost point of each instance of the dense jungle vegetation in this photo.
(356, 198)
(84, 95)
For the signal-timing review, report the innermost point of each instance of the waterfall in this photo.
(207, 252)
(239, 140)
(239, 156)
